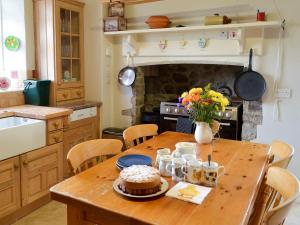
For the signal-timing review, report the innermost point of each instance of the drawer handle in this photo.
(16, 166)
(56, 125)
(56, 139)
(25, 162)
(78, 93)
(65, 95)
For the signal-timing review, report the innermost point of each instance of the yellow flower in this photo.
(195, 91)
(184, 94)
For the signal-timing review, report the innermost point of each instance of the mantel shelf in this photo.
(266, 24)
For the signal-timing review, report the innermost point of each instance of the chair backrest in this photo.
(287, 186)
(90, 153)
(137, 134)
(282, 152)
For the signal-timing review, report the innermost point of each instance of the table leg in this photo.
(76, 216)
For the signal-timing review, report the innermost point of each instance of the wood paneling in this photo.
(40, 169)
(8, 99)
(10, 199)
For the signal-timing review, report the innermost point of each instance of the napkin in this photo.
(189, 192)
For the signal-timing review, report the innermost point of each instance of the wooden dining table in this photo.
(91, 199)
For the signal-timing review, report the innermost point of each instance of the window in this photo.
(14, 67)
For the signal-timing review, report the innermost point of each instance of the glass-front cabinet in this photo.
(70, 38)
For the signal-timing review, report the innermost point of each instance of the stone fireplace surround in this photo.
(165, 82)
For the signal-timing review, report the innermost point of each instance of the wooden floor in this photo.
(55, 213)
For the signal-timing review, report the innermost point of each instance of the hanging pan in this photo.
(250, 85)
(127, 74)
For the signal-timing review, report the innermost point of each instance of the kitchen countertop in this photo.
(35, 112)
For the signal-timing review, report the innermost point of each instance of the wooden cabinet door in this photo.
(69, 36)
(40, 169)
(9, 186)
(86, 130)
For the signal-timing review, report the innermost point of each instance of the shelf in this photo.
(70, 34)
(266, 24)
(76, 58)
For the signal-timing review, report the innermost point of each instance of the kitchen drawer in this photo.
(63, 95)
(55, 124)
(55, 137)
(77, 93)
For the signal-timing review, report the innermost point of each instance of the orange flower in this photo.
(195, 97)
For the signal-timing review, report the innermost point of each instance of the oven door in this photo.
(229, 130)
(167, 123)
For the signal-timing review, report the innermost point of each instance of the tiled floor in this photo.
(54, 213)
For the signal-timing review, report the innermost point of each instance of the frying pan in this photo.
(127, 75)
(250, 85)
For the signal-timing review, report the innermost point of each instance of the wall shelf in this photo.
(266, 24)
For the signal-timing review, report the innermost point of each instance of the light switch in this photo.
(107, 52)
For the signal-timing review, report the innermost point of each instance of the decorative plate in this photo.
(12, 43)
(202, 43)
(164, 188)
(134, 159)
(4, 83)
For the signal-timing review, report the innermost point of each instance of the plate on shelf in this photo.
(134, 159)
(164, 188)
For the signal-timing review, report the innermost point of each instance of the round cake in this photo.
(140, 180)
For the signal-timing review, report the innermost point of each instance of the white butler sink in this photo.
(19, 135)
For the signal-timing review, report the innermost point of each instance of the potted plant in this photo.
(203, 105)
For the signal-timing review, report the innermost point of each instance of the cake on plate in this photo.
(140, 180)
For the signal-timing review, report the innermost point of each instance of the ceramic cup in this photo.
(211, 173)
(185, 148)
(175, 169)
(188, 157)
(193, 171)
(164, 161)
(160, 152)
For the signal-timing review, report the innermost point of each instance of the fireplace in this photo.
(162, 83)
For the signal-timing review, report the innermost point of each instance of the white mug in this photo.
(188, 157)
(193, 171)
(160, 152)
(185, 148)
(175, 169)
(211, 173)
(164, 161)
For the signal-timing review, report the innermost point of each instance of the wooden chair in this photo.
(282, 152)
(287, 186)
(90, 153)
(138, 134)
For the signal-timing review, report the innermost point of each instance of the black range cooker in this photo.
(231, 120)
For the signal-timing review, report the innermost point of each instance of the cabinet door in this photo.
(40, 169)
(75, 136)
(9, 186)
(69, 22)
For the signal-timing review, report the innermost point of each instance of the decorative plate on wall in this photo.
(4, 83)
(12, 43)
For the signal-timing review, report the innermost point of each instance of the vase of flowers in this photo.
(203, 105)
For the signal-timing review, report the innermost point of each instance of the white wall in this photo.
(18, 21)
(104, 69)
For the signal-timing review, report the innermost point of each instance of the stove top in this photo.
(172, 108)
